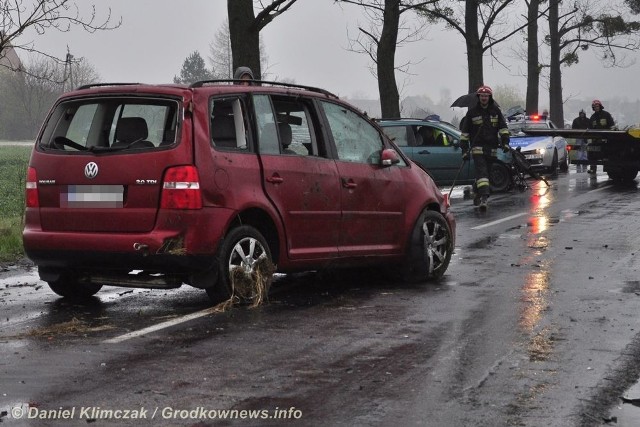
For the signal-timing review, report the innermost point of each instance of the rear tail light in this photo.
(181, 188)
(31, 191)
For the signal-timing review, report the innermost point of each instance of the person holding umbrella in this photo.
(484, 130)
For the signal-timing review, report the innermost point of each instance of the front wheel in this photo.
(430, 248)
(245, 266)
(499, 177)
(68, 286)
(564, 164)
(553, 169)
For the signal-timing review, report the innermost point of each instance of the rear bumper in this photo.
(182, 242)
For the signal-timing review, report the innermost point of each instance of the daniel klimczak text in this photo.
(200, 413)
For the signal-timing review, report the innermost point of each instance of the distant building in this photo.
(9, 58)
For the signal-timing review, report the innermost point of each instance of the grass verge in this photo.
(13, 171)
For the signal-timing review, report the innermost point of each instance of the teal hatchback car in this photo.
(435, 145)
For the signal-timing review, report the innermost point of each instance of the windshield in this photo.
(111, 123)
(517, 127)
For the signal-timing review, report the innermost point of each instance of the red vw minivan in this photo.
(162, 185)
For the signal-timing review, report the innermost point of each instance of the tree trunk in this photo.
(244, 34)
(555, 75)
(386, 53)
(474, 46)
(533, 65)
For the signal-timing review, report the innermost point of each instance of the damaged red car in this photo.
(156, 186)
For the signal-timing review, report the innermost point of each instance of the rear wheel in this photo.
(430, 248)
(67, 286)
(499, 177)
(244, 255)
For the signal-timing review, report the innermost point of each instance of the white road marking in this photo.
(162, 325)
(498, 221)
(508, 218)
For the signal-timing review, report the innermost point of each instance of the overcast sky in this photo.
(309, 44)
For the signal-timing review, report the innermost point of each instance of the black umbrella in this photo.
(467, 101)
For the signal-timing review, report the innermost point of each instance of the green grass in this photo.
(13, 171)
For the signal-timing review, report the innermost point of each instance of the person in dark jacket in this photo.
(484, 130)
(600, 119)
(243, 73)
(581, 122)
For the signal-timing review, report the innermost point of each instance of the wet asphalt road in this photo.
(535, 324)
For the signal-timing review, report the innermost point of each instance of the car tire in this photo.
(564, 165)
(500, 177)
(553, 169)
(242, 248)
(430, 248)
(67, 286)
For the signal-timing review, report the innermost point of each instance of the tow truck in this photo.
(618, 151)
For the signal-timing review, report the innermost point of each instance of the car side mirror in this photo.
(389, 157)
(456, 144)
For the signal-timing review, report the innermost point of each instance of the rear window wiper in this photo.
(60, 141)
(119, 146)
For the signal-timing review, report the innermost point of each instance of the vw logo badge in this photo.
(91, 170)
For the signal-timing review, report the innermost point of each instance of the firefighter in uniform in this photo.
(600, 119)
(484, 130)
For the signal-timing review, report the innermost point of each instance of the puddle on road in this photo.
(28, 279)
(631, 287)
(627, 414)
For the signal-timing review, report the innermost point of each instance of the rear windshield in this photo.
(112, 124)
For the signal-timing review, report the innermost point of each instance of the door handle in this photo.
(275, 179)
(348, 183)
(424, 152)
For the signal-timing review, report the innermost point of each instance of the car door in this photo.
(442, 161)
(372, 196)
(299, 177)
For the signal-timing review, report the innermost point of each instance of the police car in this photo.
(544, 153)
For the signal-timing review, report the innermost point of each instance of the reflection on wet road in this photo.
(534, 316)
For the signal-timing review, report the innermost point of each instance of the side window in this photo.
(295, 126)
(355, 138)
(266, 125)
(426, 136)
(398, 134)
(228, 125)
(452, 139)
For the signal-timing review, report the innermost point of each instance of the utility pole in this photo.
(68, 72)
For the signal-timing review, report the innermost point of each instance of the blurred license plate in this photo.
(532, 156)
(92, 196)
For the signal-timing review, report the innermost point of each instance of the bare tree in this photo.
(385, 33)
(245, 27)
(221, 56)
(17, 16)
(32, 91)
(533, 61)
(484, 24)
(585, 25)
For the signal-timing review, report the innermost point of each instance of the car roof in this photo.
(212, 86)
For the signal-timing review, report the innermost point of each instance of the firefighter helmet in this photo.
(484, 90)
(596, 102)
